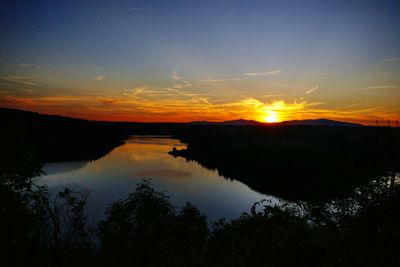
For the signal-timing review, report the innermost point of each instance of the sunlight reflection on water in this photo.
(114, 176)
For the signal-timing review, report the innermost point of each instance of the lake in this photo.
(114, 176)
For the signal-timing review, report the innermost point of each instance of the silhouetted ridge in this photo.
(316, 122)
(58, 138)
(321, 122)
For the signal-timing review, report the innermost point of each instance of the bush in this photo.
(146, 230)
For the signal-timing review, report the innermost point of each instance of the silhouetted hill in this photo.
(316, 122)
(296, 162)
(320, 122)
(58, 138)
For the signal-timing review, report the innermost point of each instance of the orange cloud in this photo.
(151, 104)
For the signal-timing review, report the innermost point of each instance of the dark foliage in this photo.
(296, 162)
(57, 138)
(357, 231)
(145, 229)
(37, 228)
(361, 230)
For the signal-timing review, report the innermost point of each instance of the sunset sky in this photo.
(183, 60)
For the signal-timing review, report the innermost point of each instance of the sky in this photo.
(186, 60)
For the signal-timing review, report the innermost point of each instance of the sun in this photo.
(272, 116)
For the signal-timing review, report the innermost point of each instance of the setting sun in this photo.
(272, 116)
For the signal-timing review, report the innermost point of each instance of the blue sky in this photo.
(223, 54)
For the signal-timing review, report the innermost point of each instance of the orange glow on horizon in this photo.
(138, 107)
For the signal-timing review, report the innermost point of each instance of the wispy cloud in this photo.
(266, 73)
(392, 59)
(217, 80)
(157, 103)
(179, 82)
(183, 84)
(272, 95)
(149, 93)
(99, 78)
(149, 103)
(311, 90)
(18, 80)
(174, 75)
(23, 65)
(378, 87)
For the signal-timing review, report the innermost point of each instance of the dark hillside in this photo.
(56, 138)
(297, 162)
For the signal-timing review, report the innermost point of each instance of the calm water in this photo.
(114, 176)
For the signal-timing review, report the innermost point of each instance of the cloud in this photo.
(183, 84)
(23, 65)
(180, 84)
(312, 90)
(99, 78)
(267, 73)
(18, 80)
(379, 87)
(217, 80)
(149, 103)
(148, 93)
(156, 103)
(174, 75)
(272, 95)
(392, 59)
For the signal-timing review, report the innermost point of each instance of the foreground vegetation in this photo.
(43, 229)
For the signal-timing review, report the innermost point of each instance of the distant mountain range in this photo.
(240, 122)
(6, 113)
(316, 122)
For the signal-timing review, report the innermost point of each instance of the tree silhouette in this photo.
(145, 229)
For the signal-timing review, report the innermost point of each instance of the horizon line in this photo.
(192, 121)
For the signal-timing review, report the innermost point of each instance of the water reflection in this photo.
(165, 173)
(114, 176)
(60, 167)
